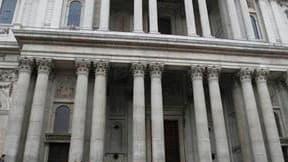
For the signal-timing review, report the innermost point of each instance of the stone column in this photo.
(234, 19)
(268, 20)
(17, 111)
(204, 17)
(89, 14)
(247, 20)
(138, 16)
(255, 132)
(40, 18)
(34, 134)
(190, 18)
(157, 116)
(104, 15)
(222, 148)
(272, 135)
(99, 112)
(153, 17)
(79, 112)
(139, 129)
(280, 24)
(203, 145)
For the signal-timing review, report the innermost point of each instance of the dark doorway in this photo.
(58, 152)
(165, 25)
(172, 152)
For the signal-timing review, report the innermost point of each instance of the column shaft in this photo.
(204, 17)
(99, 113)
(157, 119)
(139, 129)
(234, 19)
(204, 147)
(247, 20)
(255, 132)
(42, 4)
(104, 15)
(16, 113)
(89, 14)
(190, 18)
(138, 16)
(153, 16)
(268, 117)
(34, 140)
(222, 148)
(79, 112)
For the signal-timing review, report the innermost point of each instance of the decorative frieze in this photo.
(65, 87)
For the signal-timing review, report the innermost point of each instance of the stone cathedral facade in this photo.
(144, 80)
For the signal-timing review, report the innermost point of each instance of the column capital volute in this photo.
(213, 72)
(101, 67)
(82, 66)
(44, 65)
(156, 69)
(25, 64)
(261, 74)
(138, 69)
(246, 73)
(197, 72)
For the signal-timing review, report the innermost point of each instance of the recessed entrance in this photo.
(172, 149)
(58, 152)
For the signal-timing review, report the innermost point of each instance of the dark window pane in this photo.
(62, 120)
(7, 11)
(74, 13)
(164, 25)
(277, 119)
(58, 152)
(255, 27)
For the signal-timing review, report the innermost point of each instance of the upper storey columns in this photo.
(205, 24)
(89, 14)
(104, 15)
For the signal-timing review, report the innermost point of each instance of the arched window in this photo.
(74, 13)
(7, 11)
(255, 27)
(62, 119)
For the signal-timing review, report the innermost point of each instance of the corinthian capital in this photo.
(156, 69)
(82, 66)
(246, 73)
(101, 67)
(25, 64)
(213, 72)
(44, 65)
(197, 72)
(261, 74)
(138, 69)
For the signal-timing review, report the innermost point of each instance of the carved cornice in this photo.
(101, 67)
(25, 64)
(261, 74)
(197, 72)
(213, 72)
(156, 69)
(138, 69)
(44, 65)
(246, 73)
(82, 66)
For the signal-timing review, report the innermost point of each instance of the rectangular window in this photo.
(7, 11)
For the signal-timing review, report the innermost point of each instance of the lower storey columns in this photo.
(157, 121)
(268, 116)
(222, 148)
(255, 132)
(139, 129)
(34, 140)
(79, 112)
(204, 147)
(16, 114)
(99, 112)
